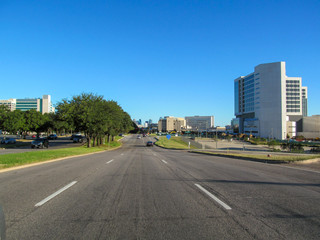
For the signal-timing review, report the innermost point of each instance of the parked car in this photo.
(52, 137)
(79, 139)
(40, 143)
(149, 144)
(8, 141)
(139, 137)
(74, 135)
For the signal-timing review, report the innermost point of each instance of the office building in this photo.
(309, 127)
(43, 105)
(168, 124)
(10, 103)
(304, 101)
(267, 102)
(199, 123)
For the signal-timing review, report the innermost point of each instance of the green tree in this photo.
(34, 121)
(94, 116)
(14, 122)
(4, 112)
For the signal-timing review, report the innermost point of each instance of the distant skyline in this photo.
(155, 58)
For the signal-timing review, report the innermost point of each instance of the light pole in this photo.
(216, 138)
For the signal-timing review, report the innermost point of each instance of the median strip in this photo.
(55, 194)
(32, 158)
(213, 197)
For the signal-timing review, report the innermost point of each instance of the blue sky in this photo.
(155, 58)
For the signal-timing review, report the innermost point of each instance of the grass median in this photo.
(18, 159)
(260, 157)
(172, 143)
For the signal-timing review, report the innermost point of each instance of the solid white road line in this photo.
(213, 197)
(110, 161)
(55, 194)
(164, 161)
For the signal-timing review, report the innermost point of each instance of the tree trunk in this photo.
(112, 138)
(88, 141)
(94, 141)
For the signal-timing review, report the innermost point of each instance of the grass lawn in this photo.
(18, 159)
(173, 143)
(264, 157)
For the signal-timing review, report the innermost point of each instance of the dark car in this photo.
(52, 137)
(40, 143)
(149, 144)
(74, 135)
(79, 139)
(8, 141)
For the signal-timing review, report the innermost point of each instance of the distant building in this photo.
(266, 101)
(43, 105)
(10, 103)
(304, 101)
(168, 124)
(199, 123)
(235, 125)
(309, 127)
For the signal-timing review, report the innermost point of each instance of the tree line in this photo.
(97, 118)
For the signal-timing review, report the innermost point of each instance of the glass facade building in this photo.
(43, 105)
(267, 100)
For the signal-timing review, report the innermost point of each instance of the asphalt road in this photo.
(139, 192)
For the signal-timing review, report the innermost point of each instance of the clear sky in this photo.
(155, 58)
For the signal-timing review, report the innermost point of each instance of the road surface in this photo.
(139, 192)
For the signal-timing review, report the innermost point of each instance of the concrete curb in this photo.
(171, 148)
(260, 160)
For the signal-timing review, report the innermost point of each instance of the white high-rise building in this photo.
(199, 123)
(267, 102)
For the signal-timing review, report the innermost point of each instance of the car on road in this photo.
(8, 141)
(79, 139)
(139, 137)
(40, 143)
(149, 144)
(75, 135)
(52, 137)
